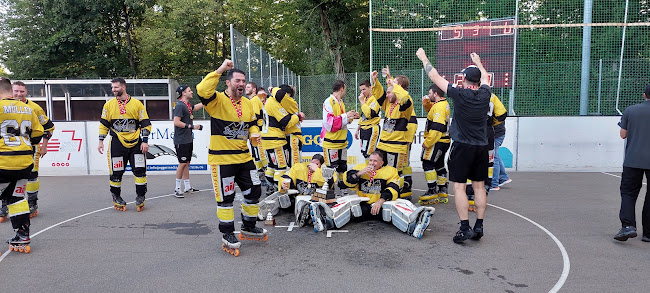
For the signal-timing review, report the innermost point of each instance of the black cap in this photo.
(181, 89)
(472, 73)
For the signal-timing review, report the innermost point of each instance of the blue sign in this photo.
(311, 137)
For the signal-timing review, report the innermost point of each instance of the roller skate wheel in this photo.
(435, 201)
(444, 200)
(28, 249)
(241, 236)
(21, 250)
(236, 252)
(2, 219)
(266, 237)
(11, 248)
(140, 208)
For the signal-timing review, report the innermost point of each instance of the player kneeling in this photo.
(377, 192)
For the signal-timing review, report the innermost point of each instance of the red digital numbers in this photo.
(455, 34)
(502, 31)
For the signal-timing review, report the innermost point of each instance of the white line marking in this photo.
(565, 257)
(617, 176)
(329, 232)
(4, 254)
(290, 227)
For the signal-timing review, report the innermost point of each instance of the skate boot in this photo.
(431, 197)
(463, 235)
(472, 206)
(303, 216)
(254, 233)
(118, 203)
(20, 242)
(478, 232)
(424, 219)
(230, 244)
(33, 208)
(139, 202)
(317, 217)
(442, 194)
(4, 212)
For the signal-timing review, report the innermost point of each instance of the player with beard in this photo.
(233, 123)
(127, 121)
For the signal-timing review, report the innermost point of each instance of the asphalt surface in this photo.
(174, 245)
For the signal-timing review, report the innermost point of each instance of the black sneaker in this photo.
(625, 233)
(645, 238)
(461, 235)
(191, 190)
(478, 233)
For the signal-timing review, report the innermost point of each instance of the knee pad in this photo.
(249, 209)
(225, 212)
(400, 213)
(33, 186)
(431, 176)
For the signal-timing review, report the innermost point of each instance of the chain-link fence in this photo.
(562, 66)
(261, 67)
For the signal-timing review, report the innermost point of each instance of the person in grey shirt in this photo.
(183, 126)
(635, 127)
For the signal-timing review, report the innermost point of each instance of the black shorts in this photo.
(184, 152)
(468, 162)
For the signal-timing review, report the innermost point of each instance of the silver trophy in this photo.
(325, 194)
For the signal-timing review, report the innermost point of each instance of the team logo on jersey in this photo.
(283, 111)
(389, 125)
(125, 125)
(228, 185)
(118, 164)
(236, 130)
(306, 188)
(372, 187)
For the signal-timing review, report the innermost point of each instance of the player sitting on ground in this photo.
(302, 179)
(377, 187)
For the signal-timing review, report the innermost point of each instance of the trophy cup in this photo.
(325, 194)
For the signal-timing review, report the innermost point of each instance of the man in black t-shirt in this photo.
(183, 125)
(468, 158)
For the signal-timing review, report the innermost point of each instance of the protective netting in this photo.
(547, 56)
(260, 66)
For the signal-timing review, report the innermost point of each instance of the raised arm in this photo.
(431, 71)
(485, 79)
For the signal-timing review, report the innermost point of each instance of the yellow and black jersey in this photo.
(335, 122)
(127, 124)
(229, 131)
(258, 109)
(394, 136)
(302, 181)
(290, 104)
(437, 128)
(370, 113)
(279, 120)
(20, 130)
(384, 184)
(48, 126)
(412, 128)
(498, 112)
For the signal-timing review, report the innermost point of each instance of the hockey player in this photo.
(435, 145)
(303, 179)
(275, 139)
(496, 116)
(233, 123)
(259, 157)
(377, 188)
(20, 93)
(293, 133)
(127, 121)
(21, 129)
(368, 130)
(398, 110)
